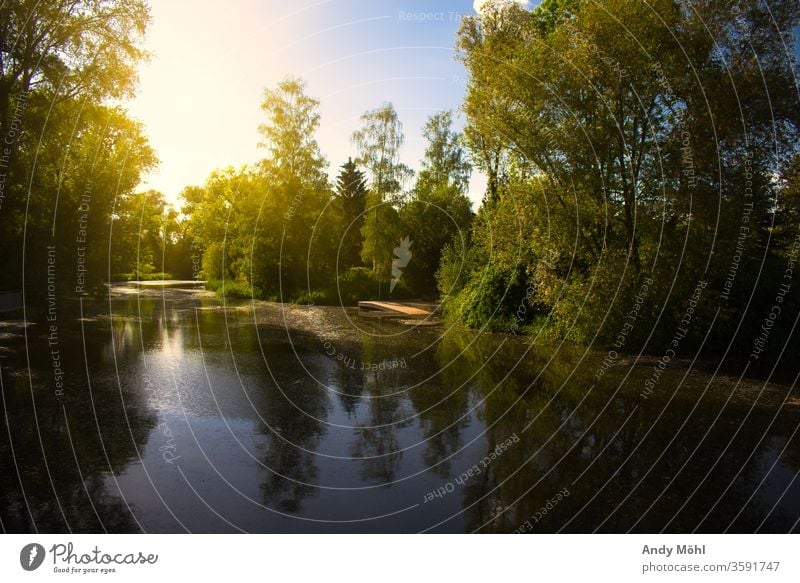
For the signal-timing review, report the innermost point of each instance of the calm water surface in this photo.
(178, 415)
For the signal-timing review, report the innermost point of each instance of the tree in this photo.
(88, 158)
(298, 191)
(378, 144)
(60, 61)
(440, 210)
(351, 192)
(263, 227)
(144, 231)
(787, 220)
(445, 162)
(224, 217)
(621, 167)
(491, 157)
(294, 158)
(69, 49)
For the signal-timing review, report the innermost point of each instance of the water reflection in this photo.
(178, 415)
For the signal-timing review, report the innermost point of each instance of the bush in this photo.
(134, 276)
(231, 289)
(357, 283)
(494, 298)
(360, 283)
(314, 298)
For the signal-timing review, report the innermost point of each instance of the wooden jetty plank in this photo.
(392, 308)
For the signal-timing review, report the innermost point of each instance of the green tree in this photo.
(89, 157)
(222, 217)
(264, 226)
(440, 210)
(297, 195)
(69, 49)
(379, 143)
(445, 161)
(144, 231)
(59, 64)
(351, 192)
(621, 167)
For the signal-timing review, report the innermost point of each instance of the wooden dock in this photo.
(396, 309)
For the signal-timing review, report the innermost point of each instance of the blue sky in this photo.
(199, 96)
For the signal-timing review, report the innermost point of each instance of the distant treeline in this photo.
(641, 160)
(70, 164)
(281, 230)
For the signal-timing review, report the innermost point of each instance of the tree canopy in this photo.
(631, 150)
(638, 142)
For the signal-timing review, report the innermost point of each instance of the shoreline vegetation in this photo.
(629, 205)
(324, 321)
(329, 324)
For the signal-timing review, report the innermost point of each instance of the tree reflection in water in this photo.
(277, 434)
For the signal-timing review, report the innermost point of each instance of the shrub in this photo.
(493, 298)
(357, 283)
(360, 283)
(231, 289)
(314, 298)
(134, 276)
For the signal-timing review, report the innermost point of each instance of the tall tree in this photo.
(298, 191)
(440, 210)
(267, 226)
(223, 217)
(69, 48)
(378, 144)
(289, 136)
(490, 156)
(351, 191)
(59, 63)
(445, 162)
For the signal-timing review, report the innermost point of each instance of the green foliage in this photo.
(439, 212)
(294, 159)
(492, 299)
(139, 276)
(351, 197)
(457, 261)
(357, 283)
(65, 186)
(231, 289)
(381, 232)
(445, 161)
(379, 143)
(314, 298)
(615, 181)
(146, 235)
(609, 167)
(70, 153)
(264, 226)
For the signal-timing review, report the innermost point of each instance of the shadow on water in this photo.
(178, 415)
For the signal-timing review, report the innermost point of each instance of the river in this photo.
(176, 413)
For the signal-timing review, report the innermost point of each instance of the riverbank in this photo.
(344, 324)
